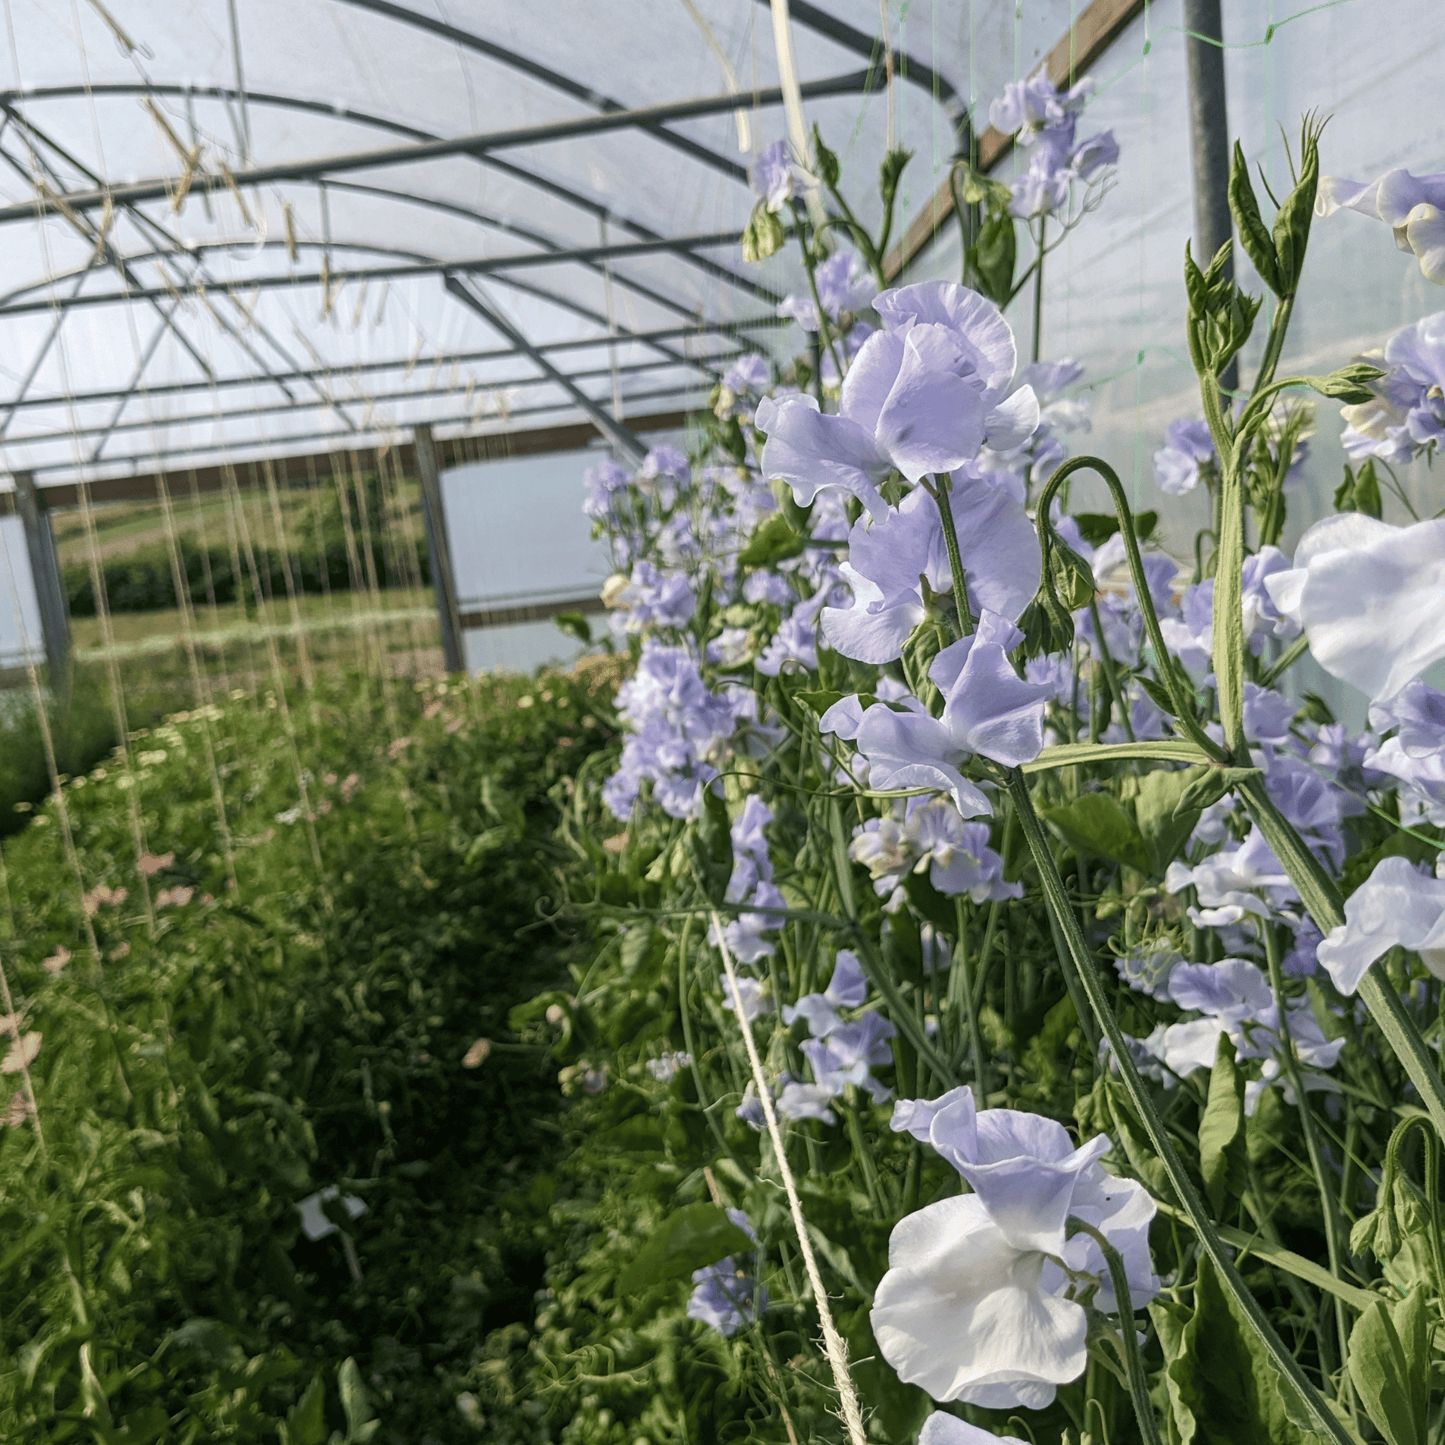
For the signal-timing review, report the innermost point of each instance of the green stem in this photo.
(1163, 661)
(955, 560)
(1287, 660)
(1111, 678)
(1039, 293)
(1323, 902)
(1335, 1244)
(1128, 1344)
(1274, 344)
(960, 993)
(1078, 955)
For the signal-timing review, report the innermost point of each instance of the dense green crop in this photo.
(307, 1028)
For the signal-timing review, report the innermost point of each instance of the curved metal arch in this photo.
(563, 193)
(547, 76)
(345, 441)
(295, 408)
(439, 265)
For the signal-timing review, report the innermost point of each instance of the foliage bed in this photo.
(304, 1029)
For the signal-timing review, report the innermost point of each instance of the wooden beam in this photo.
(452, 452)
(1091, 34)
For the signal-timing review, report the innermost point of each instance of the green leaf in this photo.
(1225, 1379)
(305, 1422)
(693, 1236)
(1253, 233)
(1156, 805)
(1210, 786)
(1389, 1363)
(575, 625)
(1097, 824)
(1097, 527)
(1221, 1130)
(764, 234)
(818, 700)
(990, 262)
(773, 540)
(1360, 491)
(361, 1424)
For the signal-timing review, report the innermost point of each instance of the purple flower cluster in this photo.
(680, 731)
(1406, 419)
(1044, 119)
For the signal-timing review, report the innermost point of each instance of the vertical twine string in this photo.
(278, 675)
(200, 682)
(117, 697)
(835, 1347)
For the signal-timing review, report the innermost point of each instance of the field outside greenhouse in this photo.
(939, 934)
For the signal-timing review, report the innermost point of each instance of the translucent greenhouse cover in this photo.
(298, 313)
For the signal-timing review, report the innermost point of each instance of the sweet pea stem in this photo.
(834, 1345)
(1133, 1364)
(939, 492)
(1079, 962)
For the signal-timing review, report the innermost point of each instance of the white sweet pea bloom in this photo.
(941, 1429)
(1370, 597)
(1397, 905)
(975, 1304)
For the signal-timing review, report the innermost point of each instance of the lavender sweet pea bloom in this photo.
(888, 556)
(726, 1296)
(846, 989)
(923, 395)
(842, 284)
(774, 177)
(748, 373)
(1370, 597)
(1187, 445)
(1412, 206)
(1406, 417)
(1397, 905)
(988, 709)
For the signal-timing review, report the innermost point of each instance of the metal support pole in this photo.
(1209, 138)
(439, 549)
(45, 570)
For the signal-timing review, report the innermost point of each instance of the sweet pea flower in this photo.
(842, 284)
(725, 1295)
(963, 1313)
(748, 373)
(1412, 206)
(773, 176)
(847, 988)
(923, 395)
(1398, 905)
(1406, 416)
(888, 556)
(850, 1053)
(1187, 446)
(1370, 597)
(941, 1429)
(972, 1306)
(988, 709)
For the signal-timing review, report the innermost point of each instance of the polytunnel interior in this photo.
(251, 235)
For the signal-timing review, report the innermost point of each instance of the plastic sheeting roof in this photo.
(182, 317)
